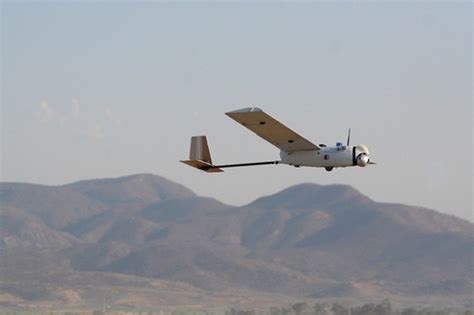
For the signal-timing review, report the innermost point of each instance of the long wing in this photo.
(271, 130)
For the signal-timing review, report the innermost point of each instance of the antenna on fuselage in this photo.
(349, 137)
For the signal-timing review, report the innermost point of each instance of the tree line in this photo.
(384, 308)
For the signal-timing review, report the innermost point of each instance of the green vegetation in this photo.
(384, 308)
(303, 308)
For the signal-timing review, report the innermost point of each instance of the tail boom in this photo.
(200, 157)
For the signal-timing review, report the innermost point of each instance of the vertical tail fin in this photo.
(200, 149)
(200, 156)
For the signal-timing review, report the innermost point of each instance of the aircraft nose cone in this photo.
(363, 160)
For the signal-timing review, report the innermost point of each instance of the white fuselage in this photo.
(341, 156)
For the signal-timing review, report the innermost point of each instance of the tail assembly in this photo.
(200, 156)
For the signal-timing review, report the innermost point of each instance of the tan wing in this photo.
(271, 130)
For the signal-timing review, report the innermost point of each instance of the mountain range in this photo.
(145, 240)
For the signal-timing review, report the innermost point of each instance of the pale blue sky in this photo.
(105, 89)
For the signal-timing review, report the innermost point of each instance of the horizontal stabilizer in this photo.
(203, 166)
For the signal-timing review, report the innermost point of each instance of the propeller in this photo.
(349, 137)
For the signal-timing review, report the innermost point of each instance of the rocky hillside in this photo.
(308, 241)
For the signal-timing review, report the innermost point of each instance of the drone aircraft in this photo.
(294, 149)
